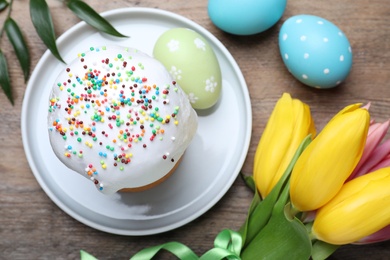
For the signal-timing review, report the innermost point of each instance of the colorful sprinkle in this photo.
(123, 107)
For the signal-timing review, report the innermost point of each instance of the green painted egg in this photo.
(191, 61)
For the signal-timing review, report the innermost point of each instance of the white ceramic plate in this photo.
(209, 167)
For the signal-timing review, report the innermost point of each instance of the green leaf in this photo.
(86, 256)
(322, 250)
(91, 17)
(249, 181)
(3, 5)
(41, 19)
(4, 78)
(19, 44)
(260, 215)
(284, 237)
(251, 225)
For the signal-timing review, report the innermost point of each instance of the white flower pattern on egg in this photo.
(200, 44)
(192, 98)
(175, 73)
(173, 45)
(211, 84)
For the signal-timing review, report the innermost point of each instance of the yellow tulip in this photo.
(329, 159)
(289, 123)
(361, 208)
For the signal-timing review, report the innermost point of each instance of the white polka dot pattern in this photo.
(315, 51)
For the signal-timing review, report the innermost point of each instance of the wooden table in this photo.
(33, 227)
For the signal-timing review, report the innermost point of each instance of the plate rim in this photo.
(63, 206)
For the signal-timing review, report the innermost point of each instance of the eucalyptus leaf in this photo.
(4, 78)
(19, 44)
(322, 250)
(43, 23)
(3, 5)
(91, 17)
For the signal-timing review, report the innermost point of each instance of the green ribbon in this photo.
(178, 249)
(227, 244)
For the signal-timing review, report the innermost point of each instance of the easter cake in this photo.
(117, 118)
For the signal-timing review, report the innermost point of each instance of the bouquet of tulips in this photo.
(327, 190)
(312, 193)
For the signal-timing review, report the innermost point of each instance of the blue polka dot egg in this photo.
(315, 51)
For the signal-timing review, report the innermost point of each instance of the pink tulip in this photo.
(379, 236)
(376, 155)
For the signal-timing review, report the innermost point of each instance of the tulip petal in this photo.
(375, 135)
(376, 160)
(349, 217)
(328, 161)
(385, 162)
(273, 143)
(289, 123)
(302, 126)
(347, 109)
(379, 236)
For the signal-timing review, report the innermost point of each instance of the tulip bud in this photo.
(329, 159)
(289, 123)
(361, 208)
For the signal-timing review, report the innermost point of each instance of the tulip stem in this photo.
(290, 211)
(293, 210)
(312, 236)
(309, 232)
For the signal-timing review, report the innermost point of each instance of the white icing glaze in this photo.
(121, 122)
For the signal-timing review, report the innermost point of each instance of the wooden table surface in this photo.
(33, 227)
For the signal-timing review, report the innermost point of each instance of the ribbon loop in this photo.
(230, 240)
(227, 244)
(181, 251)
